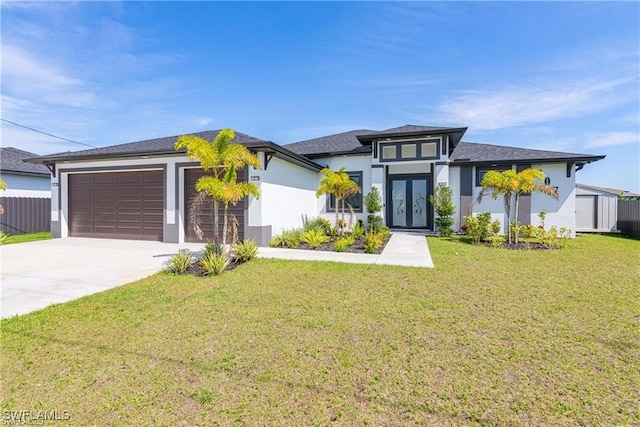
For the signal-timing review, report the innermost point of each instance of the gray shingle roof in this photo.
(340, 142)
(471, 152)
(353, 140)
(615, 191)
(11, 160)
(157, 145)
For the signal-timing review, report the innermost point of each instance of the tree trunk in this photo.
(337, 216)
(224, 230)
(216, 222)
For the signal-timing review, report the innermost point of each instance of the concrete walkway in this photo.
(404, 248)
(37, 274)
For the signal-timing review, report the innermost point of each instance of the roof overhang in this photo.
(578, 161)
(265, 146)
(455, 135)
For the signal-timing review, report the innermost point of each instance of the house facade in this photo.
(143, 190)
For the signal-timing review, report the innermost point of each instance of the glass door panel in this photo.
(399, 203)
(419, 203)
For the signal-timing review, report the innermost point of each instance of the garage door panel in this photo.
(126, 205)
(206, 217)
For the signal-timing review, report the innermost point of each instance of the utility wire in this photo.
(48, 134)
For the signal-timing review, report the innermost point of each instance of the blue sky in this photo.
(549, 75)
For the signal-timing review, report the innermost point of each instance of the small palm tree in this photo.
(511, 184)
(340, 186)
(217, 158)
(3, 186)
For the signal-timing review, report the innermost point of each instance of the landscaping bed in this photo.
(357, 248)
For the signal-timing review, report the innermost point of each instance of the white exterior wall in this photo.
(287, 194)
(561, 212)
(351, 164)
(26, 186)
(489, 204)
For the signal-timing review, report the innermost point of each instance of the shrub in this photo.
(384, 231)
(340, 245)
(214, 264)
(318, 224)
(287, 239)
(373, 203)
(349, 239)
(3, 237)
(372, 242)
(212, 248)
(445, 209)
(358, 230)
(180, 262)
(314, 238)
(479, 226)
(245, 251)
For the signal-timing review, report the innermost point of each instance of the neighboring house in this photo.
(23, 179)
(27, 200)
(141, 190)
(597, 208)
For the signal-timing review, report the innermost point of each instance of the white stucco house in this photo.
(141, 190)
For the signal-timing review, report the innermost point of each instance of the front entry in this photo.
(408, 203)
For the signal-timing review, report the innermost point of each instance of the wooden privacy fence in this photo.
(25, 215)
(629, 217)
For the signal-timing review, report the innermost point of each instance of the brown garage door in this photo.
(117, 205)
(206, 218)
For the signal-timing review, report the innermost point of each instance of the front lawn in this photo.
(488, 337)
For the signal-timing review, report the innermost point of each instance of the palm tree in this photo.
(228, 191)
(217, 158)
(340, 186)
(3, 186)
(512, 184)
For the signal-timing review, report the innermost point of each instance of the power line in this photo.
(46, 133)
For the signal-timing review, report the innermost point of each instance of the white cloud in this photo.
(607, 139)
(519, 105)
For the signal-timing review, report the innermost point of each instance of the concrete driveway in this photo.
(37, 274)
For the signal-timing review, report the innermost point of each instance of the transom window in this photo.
(355, 200)
(410, 150)
(482, 170)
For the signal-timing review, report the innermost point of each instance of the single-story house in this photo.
(597, 208)
(23, 179)
(27, 200)
(141, 190)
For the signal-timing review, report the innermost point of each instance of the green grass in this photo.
(30, 237)
(489, 337)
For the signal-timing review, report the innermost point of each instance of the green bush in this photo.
(318, 224)
(214, 264)
(314, 238)
(349, 239)
(357, 230)
(213, 248)
(3, 237)
(372, 242)
(245, 251)
(442, 202)
(373, 203)
(480, 227)
(287, 239)
(340, 245)
(180, 262)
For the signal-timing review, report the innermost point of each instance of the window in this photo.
(355, 201)
(482, 170)
(409, 150)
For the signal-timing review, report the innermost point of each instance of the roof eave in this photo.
(582, 160)
(368, 139)
(339, 153)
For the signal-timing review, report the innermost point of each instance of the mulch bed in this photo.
(357, 248)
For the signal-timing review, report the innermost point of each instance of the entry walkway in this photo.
(404, 248)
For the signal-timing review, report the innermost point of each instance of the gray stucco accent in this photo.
(466, 191)
(442, 163)
(261, 234)
(377, 166)
(175, 227)
(524, 202)
(56, 229)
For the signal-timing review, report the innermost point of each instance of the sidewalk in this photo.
(403, 248)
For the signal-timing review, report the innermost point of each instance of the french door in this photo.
(408, 203)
